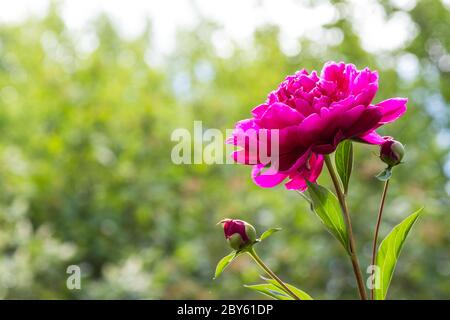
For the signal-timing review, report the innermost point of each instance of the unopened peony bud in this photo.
(392, 152)
(238, 233)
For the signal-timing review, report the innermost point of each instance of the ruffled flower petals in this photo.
(331, 71)
(310, 172)
(364, 80)
(311, 114)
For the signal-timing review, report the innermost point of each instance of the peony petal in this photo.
(316, 164)
(289, 162)
(311, 123)
(371, 138)
(324, 148)
(298, 180)
(328, 148)
(367, 122)
(307, 83)
(268, 179)
(246, 124)
(258, 111)
(303, 106)
(244, 157)
(320, 103)
(310, 129)
(327, 87)
(331, 71)
(344, 104)
(365, 79)
(367, 94)
(392, 109)
(239, 132)
(245, 139)
(350, 117)
(278, 116)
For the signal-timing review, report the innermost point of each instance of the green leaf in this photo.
(268, 233)
(344, 162)
(300, 293)
(385, 174)
(270, 290)
(388, 254)
(327, 208)
(224, 262)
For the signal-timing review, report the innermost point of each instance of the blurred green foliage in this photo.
(86, 176)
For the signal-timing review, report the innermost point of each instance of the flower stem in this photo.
(377, 228)
(343, 203)
(263, 266)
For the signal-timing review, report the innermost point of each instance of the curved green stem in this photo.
(271, 274)
(377, 228)
(343, 203)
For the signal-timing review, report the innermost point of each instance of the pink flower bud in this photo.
(391, 152)
(238, 233)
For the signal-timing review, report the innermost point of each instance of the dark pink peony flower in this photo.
(312, 114)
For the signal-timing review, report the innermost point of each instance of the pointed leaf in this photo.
(270, 290)
(223, 263)
(344, 162)
(300, 293)
(389, 251)
(268, 233)
(327, 208)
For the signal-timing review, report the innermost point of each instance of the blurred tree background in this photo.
(86, 176)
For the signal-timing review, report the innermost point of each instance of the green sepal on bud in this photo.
(385, 174)
(235, 241)
(250, 232)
